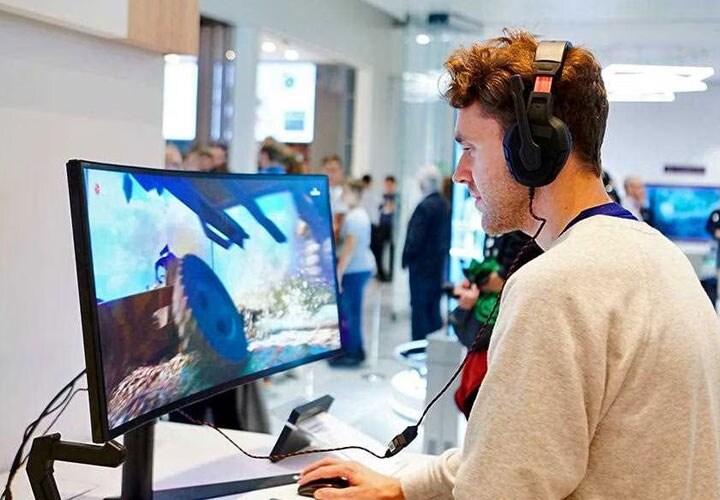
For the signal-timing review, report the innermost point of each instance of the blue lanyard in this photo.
(612, 209)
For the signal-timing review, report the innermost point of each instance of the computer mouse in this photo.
(309, 489)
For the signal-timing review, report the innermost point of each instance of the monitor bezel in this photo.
(101, 431)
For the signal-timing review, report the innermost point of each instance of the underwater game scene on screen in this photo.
(200, 281)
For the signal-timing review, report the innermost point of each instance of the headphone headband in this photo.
(549, 57)
(538, 144)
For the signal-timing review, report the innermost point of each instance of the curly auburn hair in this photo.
(481, 73)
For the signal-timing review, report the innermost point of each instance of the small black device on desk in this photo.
(291, 439)
(309, 489)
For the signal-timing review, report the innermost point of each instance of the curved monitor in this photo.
(194, 283)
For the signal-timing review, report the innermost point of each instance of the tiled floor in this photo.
(362, 395)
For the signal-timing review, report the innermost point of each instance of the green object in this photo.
(478, 274)
(484, 307)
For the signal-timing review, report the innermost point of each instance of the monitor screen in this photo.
(285, 101)
(681, 212)
(193, 283)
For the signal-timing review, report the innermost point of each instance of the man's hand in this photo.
(467, 294)
(365, 484)
(493, 284)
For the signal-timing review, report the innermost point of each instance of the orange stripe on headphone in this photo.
(543, 83)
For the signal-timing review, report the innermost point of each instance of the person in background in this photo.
(447, 189)
(384, 239)
(355, 266)
(173, 157)
(218, 150)
(332, 167)
(636, 199)
(372, 203)
(476, 301)
(427, 244)
(713, 228)
(269, 162)
(199, 159)
(610, 187)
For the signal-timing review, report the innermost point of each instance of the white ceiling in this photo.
(510, 12)
(680, 32)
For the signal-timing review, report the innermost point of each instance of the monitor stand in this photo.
(137, 475)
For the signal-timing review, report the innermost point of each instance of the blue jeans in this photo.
(351, 302)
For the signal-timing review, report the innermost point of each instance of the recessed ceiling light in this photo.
(422, 39)
(268, 47)
(291, 55)
(230, 55)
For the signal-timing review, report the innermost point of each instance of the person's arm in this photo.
(416, 236)
(434, 480)
(539, 405)
(346, 251)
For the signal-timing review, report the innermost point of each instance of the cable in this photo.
(67, 402)
(30, 429)
(403, 439)
(274, 457)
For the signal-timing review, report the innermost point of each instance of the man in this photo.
(385, 229)
(425, 254)
(637, 202)
(604, 363)
(712, 226)
(269, 162)
(219, 153)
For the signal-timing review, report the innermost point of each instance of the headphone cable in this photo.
(402, 440)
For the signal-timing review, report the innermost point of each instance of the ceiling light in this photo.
(422, 39)
(291, 55)
(268, 47)
(645, 83)
(230, 55)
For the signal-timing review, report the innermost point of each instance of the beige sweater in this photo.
(604, 379)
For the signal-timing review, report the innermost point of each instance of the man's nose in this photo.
(460, 175)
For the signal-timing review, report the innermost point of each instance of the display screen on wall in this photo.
(180, 98)
(681, 212)
(285, 101)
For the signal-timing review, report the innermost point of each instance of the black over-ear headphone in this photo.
(538, 144)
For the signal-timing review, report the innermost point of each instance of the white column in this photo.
(243, 154)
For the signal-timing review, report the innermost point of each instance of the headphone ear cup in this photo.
(556, 149)
(554, 152)
(511, 150)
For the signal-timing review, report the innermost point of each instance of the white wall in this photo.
(64, 95)
(357, 34)
(101, 17)
(642, 138)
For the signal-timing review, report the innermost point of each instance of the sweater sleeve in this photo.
(530, 428)
(433, 481)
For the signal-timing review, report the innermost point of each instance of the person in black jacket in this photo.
(426, 248)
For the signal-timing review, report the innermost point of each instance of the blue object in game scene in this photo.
(219, 325)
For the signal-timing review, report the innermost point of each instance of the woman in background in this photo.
(356, 265)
